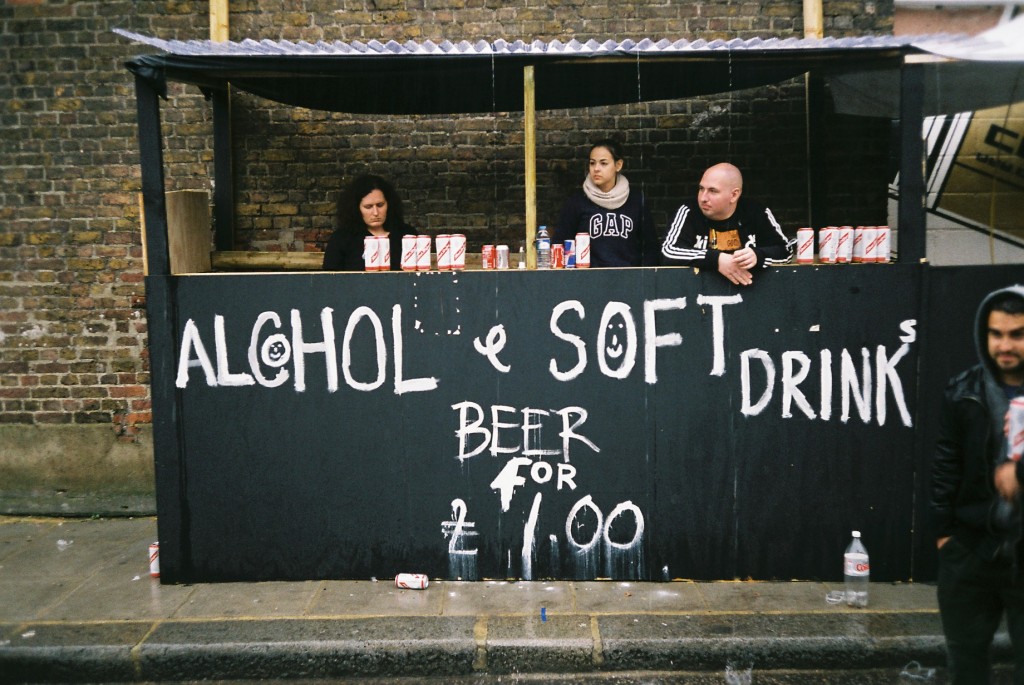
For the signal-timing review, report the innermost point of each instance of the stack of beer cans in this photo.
(845, 245)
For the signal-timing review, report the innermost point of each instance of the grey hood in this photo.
(981, 326)
(994, 395)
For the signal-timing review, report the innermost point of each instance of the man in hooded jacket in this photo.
(979, 531)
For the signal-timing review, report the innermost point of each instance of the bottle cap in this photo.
(856, 533)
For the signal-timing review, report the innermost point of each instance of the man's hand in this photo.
(745, 258)
(941, 541)
(730, 266)
(1006, 480)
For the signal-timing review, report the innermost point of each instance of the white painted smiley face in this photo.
(276, 350)
(614, 348)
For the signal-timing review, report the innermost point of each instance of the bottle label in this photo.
(856, 564)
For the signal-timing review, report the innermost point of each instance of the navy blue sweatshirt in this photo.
(618, 237)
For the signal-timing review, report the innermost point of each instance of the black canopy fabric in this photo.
(448, 78)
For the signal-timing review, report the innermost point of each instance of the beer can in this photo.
(827, 244)
(443, 247)
(805, 246)
(1015, 438)
(384, 253)
(884, 244)
(870, 244)
(569, 246)
(487, 257)
(371, 253)
(557, 257)
(458, 249)
(409, 243)
(858, 245)
(423, 253)
(154, 560)
(844, 245)
(412, 581)
(501, 259)
(582, 250)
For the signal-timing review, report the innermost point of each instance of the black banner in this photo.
(634, 424)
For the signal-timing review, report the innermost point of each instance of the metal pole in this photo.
(911, 214)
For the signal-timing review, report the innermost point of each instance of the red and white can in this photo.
(409, 244)
(423, 253)
(844, 245)
(884, 244)
(371, 253)
(827, 244)
(557, 257)
(1015, 438)
(487, 257)
(412, 581)
(582, 250)
(458, 249)
(805, 246)
(871, 244)
(443, 247)
(154, 560)
(570, 253)
(384, 250)
(858, 245)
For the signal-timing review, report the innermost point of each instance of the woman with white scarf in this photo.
(618, 220)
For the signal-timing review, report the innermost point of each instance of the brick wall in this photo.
(72, 319)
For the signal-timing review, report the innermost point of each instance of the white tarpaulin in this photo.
(969, 74)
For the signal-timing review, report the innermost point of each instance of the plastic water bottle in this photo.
(856, 572)
(543, 248)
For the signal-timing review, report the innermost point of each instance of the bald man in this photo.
(731, 234)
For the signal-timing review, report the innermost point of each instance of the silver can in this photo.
(412, 581)
(383, 253)
(805, 245)
(154, 560)
(884, 244)
(501, 259)
(827, 244)
(582, 250)
(1015, 437)
(423, 253)
(458, 248)
(443, 247)
(870, 244)
(409, 243)
(858, 245)
(371, 253)
(844, 245)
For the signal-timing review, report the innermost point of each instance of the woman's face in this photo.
(374, 208)
(603, 169)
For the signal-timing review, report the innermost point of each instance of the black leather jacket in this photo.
(964, 500)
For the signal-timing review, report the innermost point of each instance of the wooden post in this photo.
(813, 19)
(151, 157)
(219, 20)
(530, 143)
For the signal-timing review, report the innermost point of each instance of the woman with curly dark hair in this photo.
(369, 206)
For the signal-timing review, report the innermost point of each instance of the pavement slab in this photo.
(77, 604)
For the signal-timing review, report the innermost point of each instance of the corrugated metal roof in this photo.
(647, 46)
(377, 77)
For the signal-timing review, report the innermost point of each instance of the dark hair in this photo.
(349, 217)
(610, 145)
(1008, 303)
